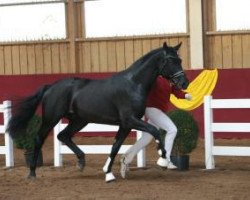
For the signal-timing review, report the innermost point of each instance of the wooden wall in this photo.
(227, 50)
(118, 54)
(91, 55)
(223, 49)
(34, 58)
(78, 55)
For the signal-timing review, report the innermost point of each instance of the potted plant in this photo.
(186, 139)
(26, 141)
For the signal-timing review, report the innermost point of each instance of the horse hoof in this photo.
(109, 177)
(81, 165)
(31, 177)
(162, 162)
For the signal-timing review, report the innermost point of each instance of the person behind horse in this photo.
(155, 113)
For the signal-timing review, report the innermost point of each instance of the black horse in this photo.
(118, 100)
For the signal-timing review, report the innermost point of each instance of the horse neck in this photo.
(145, 71)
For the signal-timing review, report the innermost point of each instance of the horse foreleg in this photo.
(119, 139)
(65, 137)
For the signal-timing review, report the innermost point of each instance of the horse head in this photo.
(171, 67)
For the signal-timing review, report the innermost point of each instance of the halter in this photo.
(177, 74)
(174, 77)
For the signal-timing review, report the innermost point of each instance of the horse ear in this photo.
(176, 48)
(165, 46)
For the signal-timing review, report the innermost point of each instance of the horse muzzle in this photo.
(181, 82)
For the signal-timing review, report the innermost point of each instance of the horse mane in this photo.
(145, 57)
(142, 60)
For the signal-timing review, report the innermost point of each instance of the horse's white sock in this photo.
(105, 167)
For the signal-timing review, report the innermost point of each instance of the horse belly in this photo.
(96, 111)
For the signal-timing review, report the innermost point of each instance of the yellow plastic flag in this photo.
(202, 85)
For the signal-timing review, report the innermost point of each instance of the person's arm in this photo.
(181, 94)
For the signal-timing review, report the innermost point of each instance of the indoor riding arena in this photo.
(106, 46)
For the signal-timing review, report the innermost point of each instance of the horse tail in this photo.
(24, 111)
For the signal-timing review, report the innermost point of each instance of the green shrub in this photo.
(187, 134)
(27, 140)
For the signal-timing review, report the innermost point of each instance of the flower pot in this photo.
(29, 154)
(181, 161)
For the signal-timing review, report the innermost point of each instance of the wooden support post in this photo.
(196, 33)
(72, 35)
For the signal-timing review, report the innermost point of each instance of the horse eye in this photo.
(178, 61)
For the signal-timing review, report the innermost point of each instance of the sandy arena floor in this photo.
(230, 179)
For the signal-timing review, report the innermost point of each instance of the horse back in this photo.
(59, 95)
(105, 101)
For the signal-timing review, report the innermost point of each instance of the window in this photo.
(232, 15)
(26, 20)
(107, 18)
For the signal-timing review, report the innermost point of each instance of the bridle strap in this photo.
(177, 74)
(171, 77)
(162, 66)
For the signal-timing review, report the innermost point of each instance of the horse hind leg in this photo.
(65, 137)
(52, 111)
(39, 141)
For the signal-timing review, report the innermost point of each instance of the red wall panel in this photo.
(232, 83)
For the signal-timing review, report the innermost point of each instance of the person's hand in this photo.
(188, 97)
